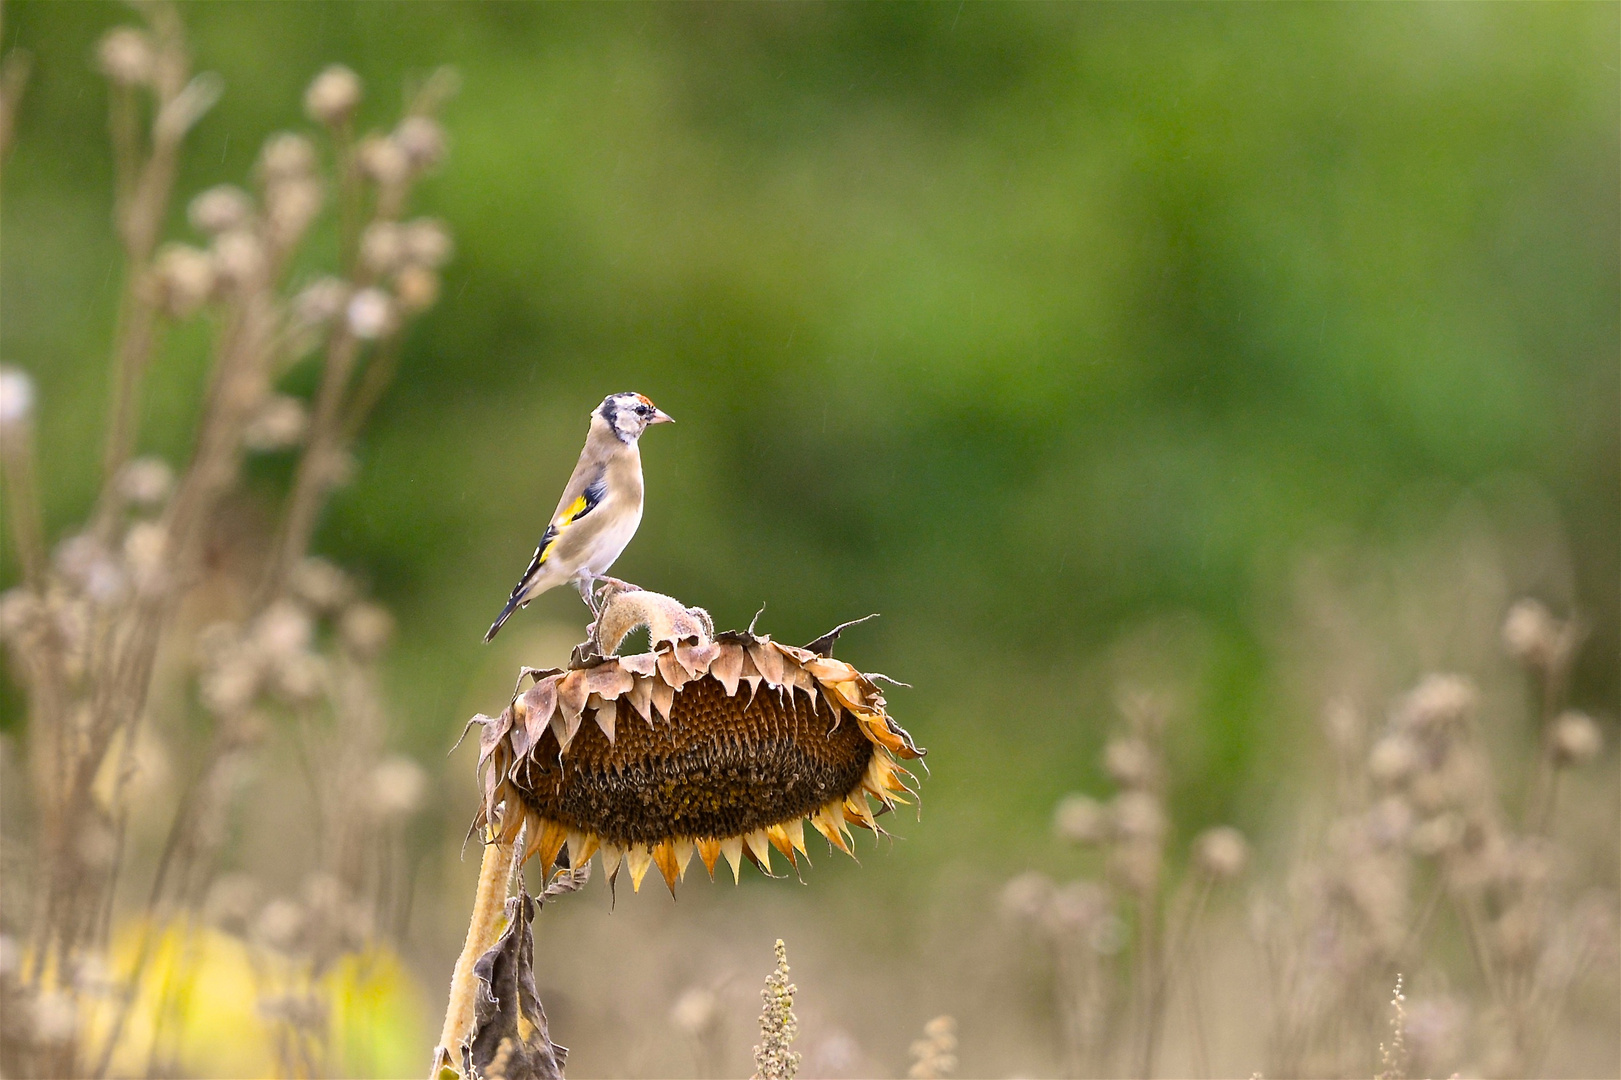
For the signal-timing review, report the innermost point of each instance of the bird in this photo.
(600, 508)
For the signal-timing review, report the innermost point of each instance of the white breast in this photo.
(611, 543)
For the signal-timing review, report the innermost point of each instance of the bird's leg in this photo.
(623, 586)
(588, 592)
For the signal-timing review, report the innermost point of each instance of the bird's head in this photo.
(628, 415)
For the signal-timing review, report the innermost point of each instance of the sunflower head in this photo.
(715, 744)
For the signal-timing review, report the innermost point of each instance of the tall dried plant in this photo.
(276, 638)
(1420, 847)
(1122, 944)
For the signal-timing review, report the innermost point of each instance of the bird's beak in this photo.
(661, 417)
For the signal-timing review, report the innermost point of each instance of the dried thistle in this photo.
(84, 628)
(775, 1058)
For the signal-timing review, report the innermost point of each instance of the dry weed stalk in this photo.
(84, 628)
(1088, 924)
(775, 1057)
(1419, 813)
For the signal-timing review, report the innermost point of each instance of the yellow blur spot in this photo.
(200, 1009)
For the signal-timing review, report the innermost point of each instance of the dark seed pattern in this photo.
(720, 766)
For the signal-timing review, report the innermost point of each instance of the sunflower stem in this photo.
(489, 906)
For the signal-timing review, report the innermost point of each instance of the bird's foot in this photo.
(588, 593)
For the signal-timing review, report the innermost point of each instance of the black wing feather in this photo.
(592, 496)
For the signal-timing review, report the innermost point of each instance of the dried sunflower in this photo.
(715, 744)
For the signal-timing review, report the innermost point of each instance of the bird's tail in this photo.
(506, 613)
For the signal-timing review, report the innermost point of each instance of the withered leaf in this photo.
(507, 1005)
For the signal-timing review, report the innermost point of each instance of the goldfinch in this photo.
(600, 508)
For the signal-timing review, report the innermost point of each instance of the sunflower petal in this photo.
(778, 836)
(759, 846)
(581, 846)
(732, 848)
(709, 851)
(664, 859)
(638, 859)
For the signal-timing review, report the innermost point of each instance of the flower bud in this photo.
(381, 159)
(320, 301)
(279, 424)
(184, 279)
(221, 208)
(1129, 761)
(1221, 852)
(286, 156)
(1138, 817)
(382, 247)
(1027, 896)
(694, 1011)
(397, 786)
(320, 584)
(427, 242)
(365, 630)
(1530, 632)
(239, 258)
(417, 288)
(1080, 820)
(371, 314)
(290, 205)
(333, 95)
(16, 398)
(126, 56)
(422, 140)
(1576, 738)
(1392, 759)
(146, 482)
(1436, 702)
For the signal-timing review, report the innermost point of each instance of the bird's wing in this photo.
(568, 512)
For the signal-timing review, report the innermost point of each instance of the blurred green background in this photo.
(1025, 325)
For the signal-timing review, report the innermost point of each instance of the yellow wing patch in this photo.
(576, 508)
